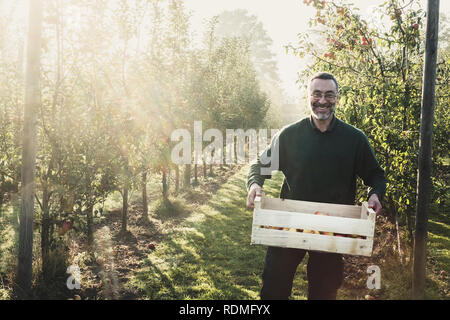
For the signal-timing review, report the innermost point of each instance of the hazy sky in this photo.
(282, 19)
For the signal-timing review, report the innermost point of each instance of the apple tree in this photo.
(379, 65)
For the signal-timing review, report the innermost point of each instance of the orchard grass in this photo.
(210, 256)
(438, 248)
(9, 239)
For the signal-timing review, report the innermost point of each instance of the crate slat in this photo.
(337, 210)
(315, 242)
(298, 220)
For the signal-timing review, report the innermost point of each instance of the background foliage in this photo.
(379, 66)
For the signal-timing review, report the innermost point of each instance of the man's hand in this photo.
(374, 203)
(255, 190)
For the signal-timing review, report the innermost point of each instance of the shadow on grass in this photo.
(439, 242)
(211, 257)
(438, 266)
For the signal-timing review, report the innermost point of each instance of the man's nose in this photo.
(322, 100)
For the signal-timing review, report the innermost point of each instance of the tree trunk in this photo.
(211, 173)
(168, 179)
(164, 184)
(90, 224)
(47, 223)
(204, 170)
(177, 179)
(195, 175)
(424, 184)
(410, 225)
(187, 176)
(125, 208)
(32, 103)
(45, 232)
(144, 197)
(2, 183)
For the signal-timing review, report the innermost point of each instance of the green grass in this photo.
(438, 247)
(209, 256)
(439, 242)
(9, 234)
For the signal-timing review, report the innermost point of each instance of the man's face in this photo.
(322, 98)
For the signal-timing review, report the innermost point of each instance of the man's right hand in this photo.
(255, 190)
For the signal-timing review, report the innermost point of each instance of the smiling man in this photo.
(320, 157)
(322, 100)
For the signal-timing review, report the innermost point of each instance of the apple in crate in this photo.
(311, 231)
(318, 213)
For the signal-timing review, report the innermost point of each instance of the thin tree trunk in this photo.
(144, 197)
(409, 224)
(32, 103)
(177, 179)
(400, 253)
(195, 174)
(124, 208)
(204, 169)
(45, 232)
(2, 183)
(164, 184)
(211, 173)
(90, 224)
(424, 184)
(126, 188)
(168, 180)
(47, 223)
(187, 176)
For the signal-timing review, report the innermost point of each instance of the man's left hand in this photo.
(374, 203)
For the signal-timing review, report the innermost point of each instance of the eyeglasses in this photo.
(329, 96)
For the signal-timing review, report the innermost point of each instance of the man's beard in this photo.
(325, 114)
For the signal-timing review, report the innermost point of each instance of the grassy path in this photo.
(209, 256)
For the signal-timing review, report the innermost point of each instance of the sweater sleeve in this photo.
(268, 161)
(369, 170)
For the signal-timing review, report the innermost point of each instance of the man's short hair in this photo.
(324, 76)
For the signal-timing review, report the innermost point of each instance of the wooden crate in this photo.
(315, 226)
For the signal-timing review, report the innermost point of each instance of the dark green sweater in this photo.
(322, 167)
